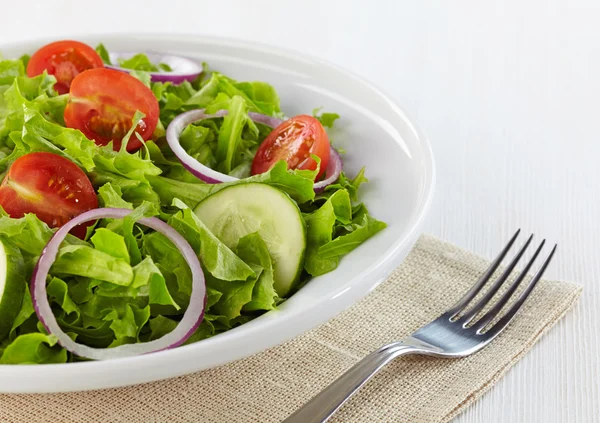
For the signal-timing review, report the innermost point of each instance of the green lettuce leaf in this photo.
(110, 243)
(216, 258)
(351, 185)
(81, 260)
(26, 313)
(111, 195)
(9, 70)
(230, 134)
(253, 250)
(170, 189)
(34, 348)
(362, 231)
(103, 53)
(72, 144)
(235, 295)
(148, 274)
(58, 293)
(326, 119)
(319, 231)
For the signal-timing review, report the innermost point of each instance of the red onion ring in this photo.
(211, 176)
(189, 323)
(184, 69)
(332, 173)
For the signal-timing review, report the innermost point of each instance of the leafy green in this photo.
(103, 53)
(253, 250)
(319, 231)
(111, 196)
(28, 233)
(351, 185)
(170, 189)
(366, 228)
(230, 134)
(216, 258)
(34, 348)
(72, 144)
(81, 260)
(147, 273)
(138, 62)
(24, 315)
(58, 292)
(326, 119)
(110, 243)
(9, 70)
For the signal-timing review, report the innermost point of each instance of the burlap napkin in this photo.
(269, 386)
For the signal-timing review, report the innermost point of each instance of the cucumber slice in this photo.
(239, 210)
(12, 285)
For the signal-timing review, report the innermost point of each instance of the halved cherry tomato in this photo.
(294, 141)
(51, 187)
(65, 60)
(103, 102)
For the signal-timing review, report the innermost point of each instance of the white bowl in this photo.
(373, 130)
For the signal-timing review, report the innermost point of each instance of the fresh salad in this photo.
(149, 202)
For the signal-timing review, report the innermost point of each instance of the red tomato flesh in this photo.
(53, 188)
(294, 141)
(103, 102)
(65, 60)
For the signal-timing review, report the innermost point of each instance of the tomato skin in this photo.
(103, 102)
(294, 141)
(65, 60)
(53, 188)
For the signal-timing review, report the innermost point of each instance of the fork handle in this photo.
(322, 406)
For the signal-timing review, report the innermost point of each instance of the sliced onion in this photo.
(332, 173)
(196, 168)
(264, 119)
(211, 176)
(186, 327)
(184, 69)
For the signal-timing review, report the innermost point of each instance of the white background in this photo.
(508, 93)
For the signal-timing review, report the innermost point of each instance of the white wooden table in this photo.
(508, 93)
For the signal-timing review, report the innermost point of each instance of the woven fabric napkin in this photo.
(270, 385)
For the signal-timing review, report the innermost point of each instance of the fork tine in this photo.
(510, 314)
(493, 312)
(466, 299)
(474, 311)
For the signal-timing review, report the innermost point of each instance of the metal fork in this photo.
(456, 333)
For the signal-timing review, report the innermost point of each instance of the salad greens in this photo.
(125, 283)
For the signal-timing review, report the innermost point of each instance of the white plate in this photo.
(373, 130)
